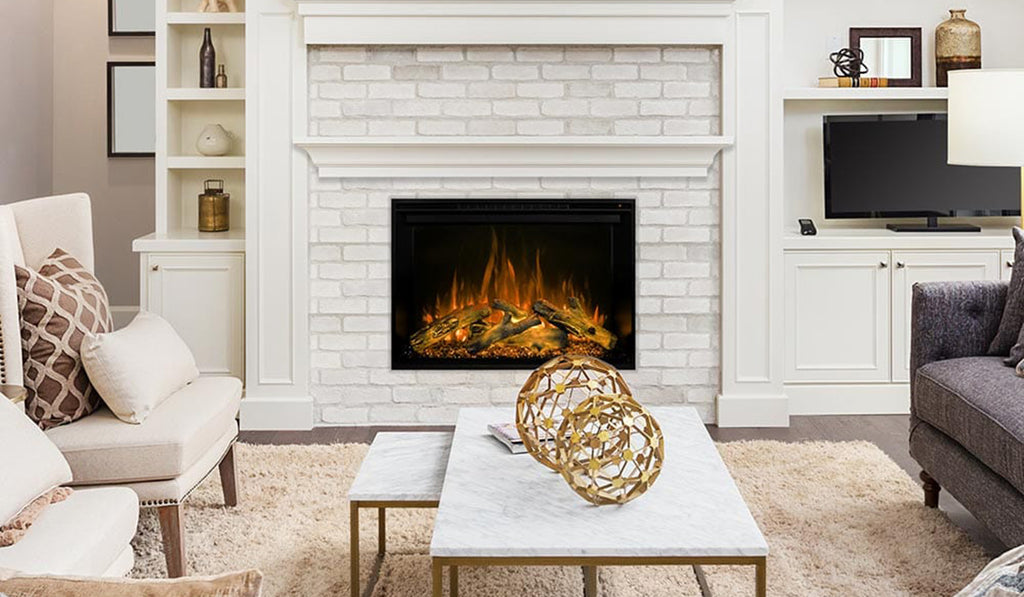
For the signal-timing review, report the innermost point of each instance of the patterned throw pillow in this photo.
(1003, 577)
(1013, 313)
(60, 304)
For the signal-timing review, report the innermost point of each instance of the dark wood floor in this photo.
(888, 432)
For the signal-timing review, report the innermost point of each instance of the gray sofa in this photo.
(967, 409)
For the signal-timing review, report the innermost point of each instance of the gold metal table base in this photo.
(353, 523)
(590, 565)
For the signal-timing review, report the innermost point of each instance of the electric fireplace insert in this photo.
(511, 283)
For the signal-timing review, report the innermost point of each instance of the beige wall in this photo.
(122, 189)
(26, 117)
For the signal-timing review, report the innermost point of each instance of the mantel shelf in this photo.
(486, 157)
(866, 93)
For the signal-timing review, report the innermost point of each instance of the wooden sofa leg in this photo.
(227, 477)
(931, 490)
(172, 528)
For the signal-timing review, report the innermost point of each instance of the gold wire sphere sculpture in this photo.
(610, 449)
(550, 395)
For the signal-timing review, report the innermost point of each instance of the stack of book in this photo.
(853, 82)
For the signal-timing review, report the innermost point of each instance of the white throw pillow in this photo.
(30, 464)
(136, 368)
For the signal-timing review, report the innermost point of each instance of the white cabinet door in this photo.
(837, 316)
(1006, 265)
(203, 296)
(912, 267)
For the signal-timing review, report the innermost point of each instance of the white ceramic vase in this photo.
(214, 140)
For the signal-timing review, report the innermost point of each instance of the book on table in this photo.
(507, 434)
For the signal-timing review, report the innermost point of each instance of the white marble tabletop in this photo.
(402, 467)
(495, 504)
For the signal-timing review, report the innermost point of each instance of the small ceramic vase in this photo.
(957, 46)
(214, 140)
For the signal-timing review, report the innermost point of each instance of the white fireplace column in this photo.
(279, 31)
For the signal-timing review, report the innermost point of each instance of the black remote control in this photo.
(807, 227)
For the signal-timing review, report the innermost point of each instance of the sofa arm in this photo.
(950, 320)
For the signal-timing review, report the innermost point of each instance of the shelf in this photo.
(993, 237)
(473, 157)
(191, 241)
(205, 163)
(865, 93)
(206, 18)
(197, 94)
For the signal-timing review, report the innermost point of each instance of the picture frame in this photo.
(895, 48)
(131, 18)
(131, 109)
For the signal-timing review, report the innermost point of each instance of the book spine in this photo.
(852, 82)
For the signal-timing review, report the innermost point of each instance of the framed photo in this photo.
(890, 52)
(131, 17)
(131, 109)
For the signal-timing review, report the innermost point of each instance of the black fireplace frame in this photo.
(618, 212)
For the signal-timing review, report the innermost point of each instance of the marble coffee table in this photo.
(499, 509)
(401, 470)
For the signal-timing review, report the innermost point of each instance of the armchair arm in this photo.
(953, 319)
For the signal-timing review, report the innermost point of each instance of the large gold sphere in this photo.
(551, 393)
(610, 449)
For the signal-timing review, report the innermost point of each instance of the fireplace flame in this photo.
(516, 279)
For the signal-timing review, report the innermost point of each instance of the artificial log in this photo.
(539, 339)
(575, 321)
(499, 332)
(509, 308)
(439, 330)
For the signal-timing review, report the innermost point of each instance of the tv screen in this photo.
(895, 166)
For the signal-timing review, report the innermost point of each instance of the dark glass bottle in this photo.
(207, 62)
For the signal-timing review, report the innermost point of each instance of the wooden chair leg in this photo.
(172, 528)
(227, 477)
(931, 490)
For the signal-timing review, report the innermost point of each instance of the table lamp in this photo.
(986, 119)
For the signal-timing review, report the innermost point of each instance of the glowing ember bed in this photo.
(510, 283)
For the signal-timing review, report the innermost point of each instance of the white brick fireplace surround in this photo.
(508, 99)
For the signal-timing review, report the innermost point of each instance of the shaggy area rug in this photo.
(840, 519)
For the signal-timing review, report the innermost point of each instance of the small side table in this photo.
(401, 470)
(15, 394)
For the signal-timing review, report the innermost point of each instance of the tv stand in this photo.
(933, 226)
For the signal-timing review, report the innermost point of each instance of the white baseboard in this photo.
(849, 399)
(123, 315)
(752, 411)
(265, 413)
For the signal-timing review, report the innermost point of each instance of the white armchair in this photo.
(171, 452)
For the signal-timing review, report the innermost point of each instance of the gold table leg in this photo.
(590, 581)
(453, 581)
(762, 577)
(353, 524)
(436, 574)
(705, 589)
(381, 531)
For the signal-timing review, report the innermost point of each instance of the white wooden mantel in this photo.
(486, 157)
(278, 33)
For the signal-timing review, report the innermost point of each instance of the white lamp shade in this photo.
(986, 118)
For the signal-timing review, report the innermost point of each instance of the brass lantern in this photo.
(213, 207)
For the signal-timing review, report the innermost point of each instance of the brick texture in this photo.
(387, 91)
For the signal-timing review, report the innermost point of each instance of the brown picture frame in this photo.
(914, 33)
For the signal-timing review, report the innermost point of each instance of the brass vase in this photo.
(957, 46)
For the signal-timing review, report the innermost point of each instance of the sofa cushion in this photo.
(103, 449)
(80, 536)
(234, 584)
(60, 304)
(136, 368)
(979, 403)
(30, 465)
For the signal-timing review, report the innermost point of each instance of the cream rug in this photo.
(841, 519)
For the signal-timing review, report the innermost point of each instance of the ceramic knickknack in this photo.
(217, 6)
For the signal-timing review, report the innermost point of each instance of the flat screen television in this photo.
(894, 166)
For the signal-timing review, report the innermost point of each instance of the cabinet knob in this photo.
(155, 268)
(1009, 264)
(900, 265)
(883, 264)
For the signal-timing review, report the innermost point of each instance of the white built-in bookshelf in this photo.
(183, 110)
